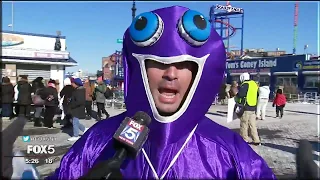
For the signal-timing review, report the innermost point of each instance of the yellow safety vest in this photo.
(252, 94)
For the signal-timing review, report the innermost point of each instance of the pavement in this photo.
(279, 136)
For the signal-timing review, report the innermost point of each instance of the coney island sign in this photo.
(229, 8)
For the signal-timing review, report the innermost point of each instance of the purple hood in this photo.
(186, 145)
(211, 58)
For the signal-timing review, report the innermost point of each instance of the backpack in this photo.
(108, 93)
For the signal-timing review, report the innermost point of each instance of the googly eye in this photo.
(194, 28)
(146, 29)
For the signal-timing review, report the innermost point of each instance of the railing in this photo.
(117, 100)
(308, 97)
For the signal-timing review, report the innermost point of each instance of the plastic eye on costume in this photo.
(146, 29)
(194, 28)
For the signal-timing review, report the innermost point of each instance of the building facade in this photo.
(35, 55)
(287, 71)
(113, 69)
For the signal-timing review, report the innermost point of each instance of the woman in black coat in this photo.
(50, 95)
(24, 96)
(7, 94)
(66, 94)
(37, 88)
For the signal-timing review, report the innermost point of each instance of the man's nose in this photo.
(170, 73)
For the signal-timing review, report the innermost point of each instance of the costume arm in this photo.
(74, 163)
(249, 164)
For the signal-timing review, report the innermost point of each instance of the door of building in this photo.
(33, 71)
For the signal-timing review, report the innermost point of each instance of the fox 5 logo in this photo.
(132, 131)
(41, 149)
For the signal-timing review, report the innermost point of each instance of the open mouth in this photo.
(169, 93)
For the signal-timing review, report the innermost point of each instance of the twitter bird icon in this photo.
(26, 138)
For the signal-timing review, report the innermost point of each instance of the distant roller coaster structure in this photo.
(220, 17)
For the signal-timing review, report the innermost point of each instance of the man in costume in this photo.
(176, 63)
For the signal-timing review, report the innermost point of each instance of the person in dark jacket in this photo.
(66, 93)
(89, 95)
(50, 95)
(37, 88)
(7, 94)
(101, 99)
(24, 96)
(77, 106)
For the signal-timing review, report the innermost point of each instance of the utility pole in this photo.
(133, 9)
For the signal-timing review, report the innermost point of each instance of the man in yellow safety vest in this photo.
(247, 96)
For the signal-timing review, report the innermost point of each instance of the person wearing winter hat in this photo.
(77, 107)
(51, 103)
(65, 95)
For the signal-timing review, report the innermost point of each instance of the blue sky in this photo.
(92, 28)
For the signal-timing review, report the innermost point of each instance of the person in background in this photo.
(37, 88)
(263, 99)
(247, 96)
(234, 89)
(101, 99)
(77, 106)
(57, 85)
(24, 96)
(66, 94)
(280, 102)
(89, 94)
(50, 95)
(7, 94)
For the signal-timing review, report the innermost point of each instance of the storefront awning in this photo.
(44, 61)
(286, 73)
(311, 72)
(235, 74)
(262, 74)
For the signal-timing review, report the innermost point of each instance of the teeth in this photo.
(168, 95)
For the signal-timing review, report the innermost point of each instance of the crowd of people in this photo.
(251, 100)
(44, 98)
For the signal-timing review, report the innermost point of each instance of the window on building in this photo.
(287, 81)
(311, 82)
(236, 78)
(261, 79)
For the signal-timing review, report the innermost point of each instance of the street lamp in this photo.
(133, 9)
(305, 48)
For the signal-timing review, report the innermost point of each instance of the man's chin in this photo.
(167, 110)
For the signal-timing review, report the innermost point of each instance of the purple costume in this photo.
(186, 145)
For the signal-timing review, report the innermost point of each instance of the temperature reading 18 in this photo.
(48, 161)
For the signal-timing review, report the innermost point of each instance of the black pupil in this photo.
(200, 22)
(141, 23)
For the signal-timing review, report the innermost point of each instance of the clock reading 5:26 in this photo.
(32, 161)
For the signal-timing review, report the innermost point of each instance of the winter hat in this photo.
(78, 81)
(67, 81)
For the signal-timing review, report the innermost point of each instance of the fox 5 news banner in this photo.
(132, 134)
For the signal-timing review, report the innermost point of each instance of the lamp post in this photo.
(133, 9)
(11, 25)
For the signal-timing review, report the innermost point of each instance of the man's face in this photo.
(169, 84)
(73, 85)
